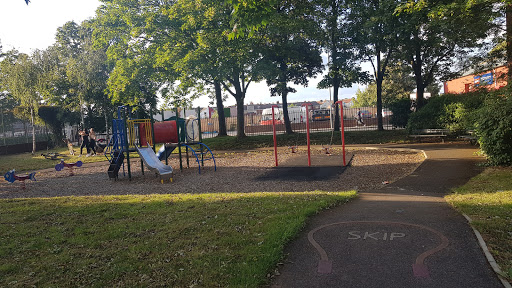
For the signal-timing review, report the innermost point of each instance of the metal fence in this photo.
(257, 124)
(21, 133)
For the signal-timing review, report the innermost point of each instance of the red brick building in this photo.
(492, 79)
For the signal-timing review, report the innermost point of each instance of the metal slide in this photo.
(149, 157)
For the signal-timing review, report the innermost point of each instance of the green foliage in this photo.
(489, 113)
(366, 97)
(397, 84)
(401, 109)
(54, 118)
(429, 41)
(494, 129)
(448, 111)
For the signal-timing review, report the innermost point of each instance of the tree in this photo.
(397, 84)
(86, 70)
(196, 46)
(290, 52)
(344, 69)
(374, 26)
(158, 48)
(20, 78)
(429, 41)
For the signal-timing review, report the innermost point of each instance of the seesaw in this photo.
(51, 155)
(63, 164)
(11, 177)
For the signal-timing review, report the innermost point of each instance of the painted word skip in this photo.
(358, 235)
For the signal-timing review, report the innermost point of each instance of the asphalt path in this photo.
(403, 235)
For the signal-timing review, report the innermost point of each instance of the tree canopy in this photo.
(133, 52)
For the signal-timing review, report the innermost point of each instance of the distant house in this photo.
(348, 103)
(491, 79)
(327, 104)
(257, 109)
(207, 112)
(171, 113)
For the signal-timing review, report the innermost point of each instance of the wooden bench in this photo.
(430, 133)
(470, 136)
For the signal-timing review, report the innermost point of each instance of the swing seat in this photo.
(327, 149)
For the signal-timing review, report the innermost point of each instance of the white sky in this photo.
(33, 26)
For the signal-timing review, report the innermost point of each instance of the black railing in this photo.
(256, 124)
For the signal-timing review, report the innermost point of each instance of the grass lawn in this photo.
(207, 240)
(487, 199)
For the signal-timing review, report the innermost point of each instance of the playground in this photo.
(240, 171)
(301, 169)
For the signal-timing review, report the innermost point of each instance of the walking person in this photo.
(360, 117)
(92, 141)
(85, 141)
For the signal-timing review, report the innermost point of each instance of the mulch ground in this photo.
(250, 171)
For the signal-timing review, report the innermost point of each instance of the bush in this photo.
(401, 109)
(494, 129)
(448, 111)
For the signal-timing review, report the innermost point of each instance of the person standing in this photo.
(85, 141)
(92, 141)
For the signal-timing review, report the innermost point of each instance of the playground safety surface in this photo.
(323, 167)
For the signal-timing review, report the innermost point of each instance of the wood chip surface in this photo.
(236, 172)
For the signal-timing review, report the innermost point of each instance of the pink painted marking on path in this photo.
(324, 267)
(420, 270)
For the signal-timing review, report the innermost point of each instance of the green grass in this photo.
(207, 240)
(321, 138)
(487, 199)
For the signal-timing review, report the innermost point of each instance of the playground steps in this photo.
(115, 164)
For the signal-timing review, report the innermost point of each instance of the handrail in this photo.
(197, 158)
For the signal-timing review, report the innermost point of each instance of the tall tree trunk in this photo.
(286, 116)
(3, 126)
(220, 109)
(334, 58)
(379, 78)
(33, 131)
(336, 85)
(106, 124)
(509, 42)
(240, 123)
(420, 87)
(239, 97)
(82, 117)
(284, 97)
